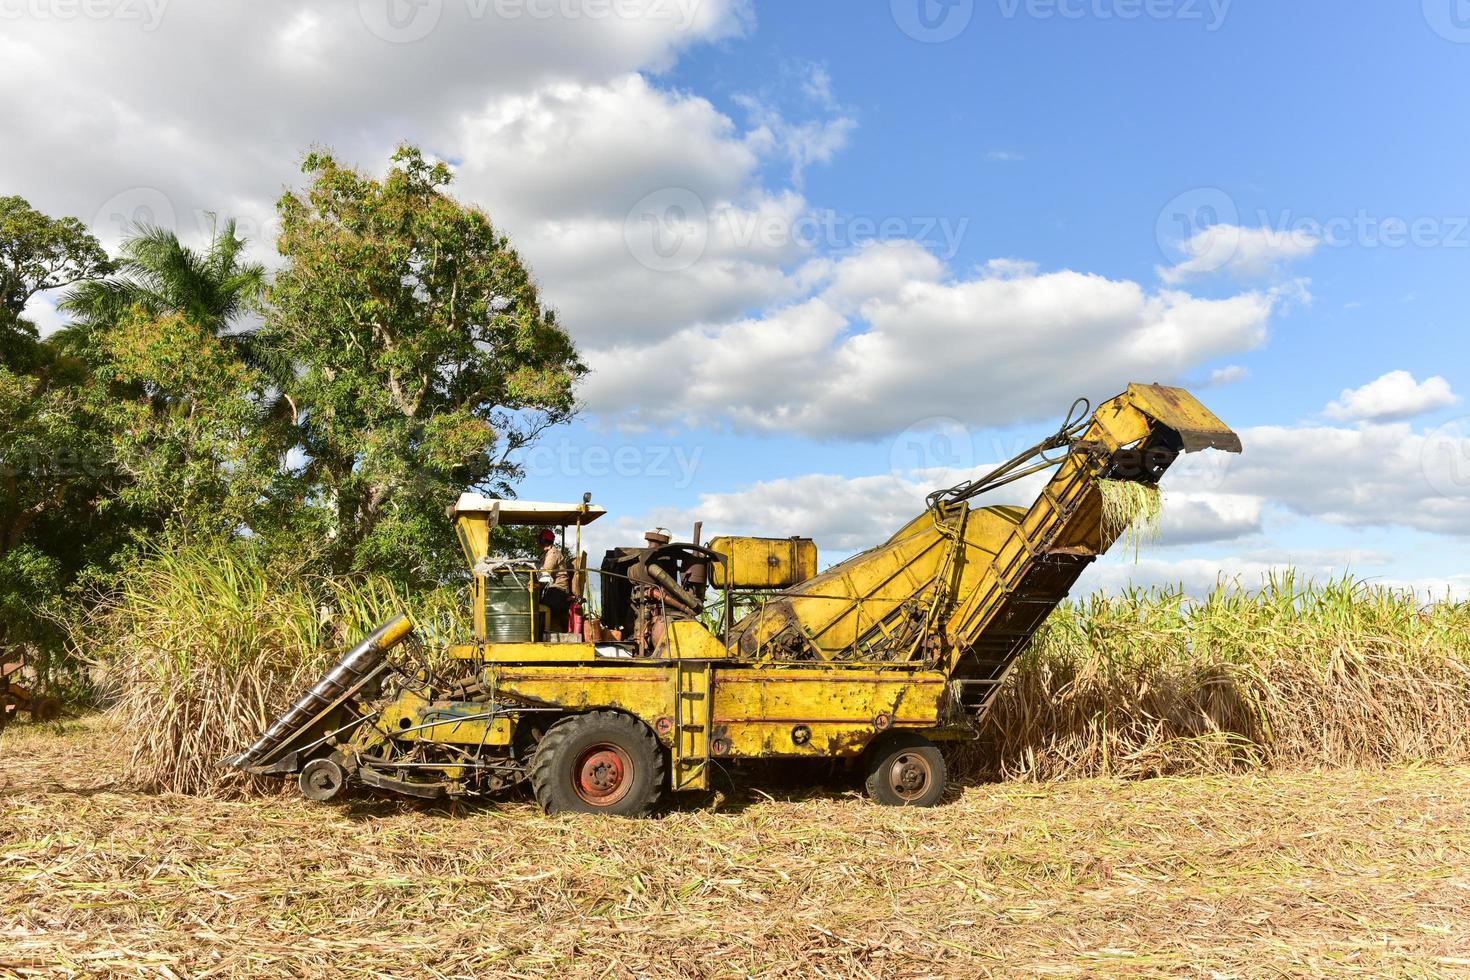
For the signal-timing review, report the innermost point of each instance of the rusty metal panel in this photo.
(1198, 427)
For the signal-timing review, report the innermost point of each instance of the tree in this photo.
(186, 425)
(159, 275)
(38, 253)
(423, 357)
(51, 450)
(193, 419)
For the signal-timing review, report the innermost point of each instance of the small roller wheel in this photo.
(905, 769)
(322, 780)
(45, 709)
(601, 762)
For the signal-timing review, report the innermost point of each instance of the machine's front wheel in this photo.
(322, 780)
(602, 762)
(45, 709)
(905, 769)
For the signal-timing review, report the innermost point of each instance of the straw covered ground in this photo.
(1338, 873)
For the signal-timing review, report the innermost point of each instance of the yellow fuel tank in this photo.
(763, 563)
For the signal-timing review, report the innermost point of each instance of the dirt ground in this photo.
(1330, 874)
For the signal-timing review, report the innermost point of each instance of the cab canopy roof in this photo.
(526, 512)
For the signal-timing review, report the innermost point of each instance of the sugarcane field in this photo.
(705, 489)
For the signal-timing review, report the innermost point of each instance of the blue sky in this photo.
(1263, 201)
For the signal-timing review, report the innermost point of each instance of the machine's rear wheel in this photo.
(602, 762)
(905, 769)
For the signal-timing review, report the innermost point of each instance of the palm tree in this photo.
(161, 275)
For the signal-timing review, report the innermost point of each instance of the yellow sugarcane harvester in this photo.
(876, 659)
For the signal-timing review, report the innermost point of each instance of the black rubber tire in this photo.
(905, 769)
(584, 755)
(45, 709)
(322, 780)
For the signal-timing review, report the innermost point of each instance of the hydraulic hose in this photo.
(1011, 470)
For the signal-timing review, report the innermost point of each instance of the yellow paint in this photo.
(690, 738)
(688, 640)
(763, 563)
(757, 709)
(645, 690)
(527, 653)
(752, 699)
(874, 605)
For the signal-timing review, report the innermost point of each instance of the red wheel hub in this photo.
(603, 774)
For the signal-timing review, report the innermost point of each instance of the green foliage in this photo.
(406, 354)
(159, 275)
(38, 253)
(424, 357)
(50, 445)
(186, 424)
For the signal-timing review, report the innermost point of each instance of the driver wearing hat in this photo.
(556, 577)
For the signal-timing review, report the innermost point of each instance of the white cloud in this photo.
(555, 124)
(1006, 344)
(1244, 253)
(1199, 576)
(1004, 156)
(1197, 517)
(118, 131)
(1393, 397)
(577, 172)
(42, 312)
(1228, 375)
(1367, 476)
(850, 514)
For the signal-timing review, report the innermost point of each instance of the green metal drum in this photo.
(508, 606)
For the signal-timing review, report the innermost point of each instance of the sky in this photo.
(823, 256)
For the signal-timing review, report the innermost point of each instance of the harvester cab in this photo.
(514, 599)
(878, 659)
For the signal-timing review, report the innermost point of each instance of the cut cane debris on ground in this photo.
(1340, 873)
